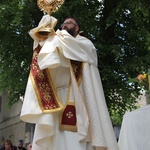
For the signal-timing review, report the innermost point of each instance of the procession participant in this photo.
(7, 145)
(64, 95)
(20, 145)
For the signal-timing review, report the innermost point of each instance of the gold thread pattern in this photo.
(49, 6)
(43, 86)
(68, 120)
(77, 67)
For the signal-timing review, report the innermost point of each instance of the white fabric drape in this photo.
(94, 125)
(135, 130)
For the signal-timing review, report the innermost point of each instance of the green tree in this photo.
(119, 29)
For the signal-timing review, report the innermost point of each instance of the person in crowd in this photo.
(29, 147)
(20, 145)
(1, 146)
(7, 145)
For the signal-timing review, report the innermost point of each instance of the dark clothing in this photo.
(21, 148)
(12, 148)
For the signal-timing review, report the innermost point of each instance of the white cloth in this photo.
(46, 20)
(135, 130)
(94, 125)
(79, 48)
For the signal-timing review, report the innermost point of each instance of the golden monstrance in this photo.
(49, 6)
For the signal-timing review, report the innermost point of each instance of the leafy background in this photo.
(120, 30)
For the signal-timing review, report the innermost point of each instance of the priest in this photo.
(64, 95)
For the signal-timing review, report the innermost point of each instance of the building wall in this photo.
(11, 127)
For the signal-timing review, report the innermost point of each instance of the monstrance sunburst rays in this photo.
(49, 6)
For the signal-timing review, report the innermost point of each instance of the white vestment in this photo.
(94, 128)
(135, 130)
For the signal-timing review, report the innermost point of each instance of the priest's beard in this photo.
(71, 31)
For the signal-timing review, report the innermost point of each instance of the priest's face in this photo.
(70, 26)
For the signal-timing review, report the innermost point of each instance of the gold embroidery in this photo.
(49, 6)
(69, 114)
(77, 67)
(68, 120)
(43, 86)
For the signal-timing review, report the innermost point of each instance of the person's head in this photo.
(7, 144)
(29, 147)
(71, 25)
(20, 144)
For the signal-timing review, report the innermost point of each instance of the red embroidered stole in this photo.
(47, 96)
(68, 120)
(43, 86)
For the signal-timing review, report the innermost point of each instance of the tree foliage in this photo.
(119, 29)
